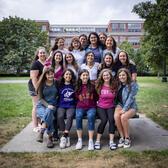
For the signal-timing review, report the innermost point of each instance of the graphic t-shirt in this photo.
(66, 96)
(106, 98)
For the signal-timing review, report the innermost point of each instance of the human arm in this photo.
(134, 76)
(43, 102)
(131, 97)
(34, 78)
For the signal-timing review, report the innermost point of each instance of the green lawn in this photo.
(152, 99)
(14, 100)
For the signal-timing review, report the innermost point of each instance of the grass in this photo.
(14, 101)
(15, 113)
(152, 99)
(75, 159)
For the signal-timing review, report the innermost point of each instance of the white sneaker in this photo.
(79, 145)
(127, 143)
(68, 144)
(63, 142)
(121, 142)
(90, 145)
(36, 129)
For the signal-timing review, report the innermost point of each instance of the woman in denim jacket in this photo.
(126, 106)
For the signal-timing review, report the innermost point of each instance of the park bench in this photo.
(134, 117)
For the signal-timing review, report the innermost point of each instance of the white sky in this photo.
(70, 11)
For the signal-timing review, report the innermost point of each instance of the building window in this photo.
(115, 27)
(122, 27)
(43, 28)
(134, 40)
(98, 30)
(134, 27)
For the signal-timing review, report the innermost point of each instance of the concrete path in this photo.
(145, 135)
(14, 81)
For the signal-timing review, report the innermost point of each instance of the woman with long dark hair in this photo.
(126, 106)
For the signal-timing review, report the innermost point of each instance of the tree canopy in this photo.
(156, 28)
(19, 39)
(135, 56)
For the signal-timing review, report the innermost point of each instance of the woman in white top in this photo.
(91, 65)
(111, 47)
(70, 63)
(77, 51)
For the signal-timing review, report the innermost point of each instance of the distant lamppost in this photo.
(164, 78)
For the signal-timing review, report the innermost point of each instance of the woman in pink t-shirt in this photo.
(106, 88)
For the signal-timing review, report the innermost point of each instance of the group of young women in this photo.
(92, 77)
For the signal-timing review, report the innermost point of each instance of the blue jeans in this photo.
(46, 115)
(91, 113)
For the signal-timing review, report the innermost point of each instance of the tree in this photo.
(126, 46)
(136, 56)
(19, 39)
(156, 26)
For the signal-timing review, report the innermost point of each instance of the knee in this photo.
(124, 118)
(79, 116)
(71, 117)
(60, 117)
(91, 117)
(104, 121)
(116, 116)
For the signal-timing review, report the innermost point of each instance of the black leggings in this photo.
(61, 113)
(106, 115)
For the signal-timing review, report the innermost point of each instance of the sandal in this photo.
(97, 145)
(112, 146)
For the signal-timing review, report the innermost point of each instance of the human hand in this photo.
(122, 112)
(51, 107)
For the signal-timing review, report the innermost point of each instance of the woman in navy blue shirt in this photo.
(66, 106)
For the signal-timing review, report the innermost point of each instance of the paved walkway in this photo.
(145, 135)
(14, 81)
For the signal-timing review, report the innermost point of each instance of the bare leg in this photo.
(91, 133)
(34, 117)
(98, 137)
(117, 117)
(125, 121)
(111, 137)
(79, 133)
(44, 125)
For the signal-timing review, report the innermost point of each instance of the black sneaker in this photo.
(40, 137)
(50, 143)
(55, 137)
